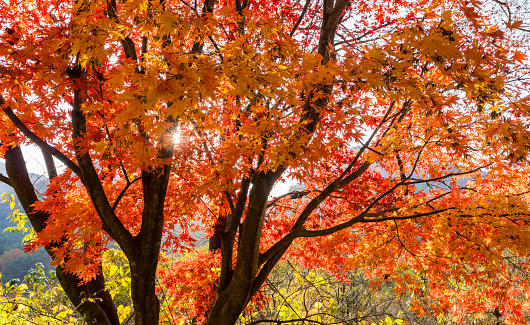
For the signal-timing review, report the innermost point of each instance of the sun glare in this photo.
(176, 137)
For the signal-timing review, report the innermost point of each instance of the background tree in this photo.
(406, 121)
(314, 296)
(9, 256)
(297, 295)
(36, 299)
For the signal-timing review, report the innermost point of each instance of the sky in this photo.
(34, 160)
(35, 165)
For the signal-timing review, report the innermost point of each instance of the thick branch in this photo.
(126, 42)
(235, 218)
(227, 242)
(50, 164)
(281, 246)
(98, 311)
(90, 179)
(273, 255)
(208, 8)
(243, 284)
(334, 186)
(38, 141)
(330, 20)
(296, 232)
(249, 237)
(5, 179)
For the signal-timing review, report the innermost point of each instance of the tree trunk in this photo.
(228, 306)
(101, 311)
(145, 301)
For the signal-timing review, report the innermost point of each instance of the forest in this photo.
(14, 264)
(226, 162)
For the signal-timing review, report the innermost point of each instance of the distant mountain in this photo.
(39, 181)
(8, 240)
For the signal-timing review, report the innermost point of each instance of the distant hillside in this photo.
(9, 241)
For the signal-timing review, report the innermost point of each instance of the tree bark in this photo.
(143, 285)
(240, 284)
(100, 311)
(144, 262)
(233, 300)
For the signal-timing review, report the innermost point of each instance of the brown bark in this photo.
(100, 311)
(237, 286)
(142, 250)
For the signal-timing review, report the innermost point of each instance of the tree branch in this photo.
(298, 230)
(5, 179)
(50, 164)
(122, 193)
(90, 179)
(38, 141)
(297, 193)
(361, 218)
(436, 179)
(295, 27)
(227, 241)
(126, 42)
(99, 309)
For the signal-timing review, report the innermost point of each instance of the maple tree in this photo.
(406, 121)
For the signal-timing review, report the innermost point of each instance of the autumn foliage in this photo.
(405, 122)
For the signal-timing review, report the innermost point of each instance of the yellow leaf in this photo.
(117, 34)
(113, 269)
(447, 16)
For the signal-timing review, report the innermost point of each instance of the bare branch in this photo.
(361, 219)
(5, 179)
(307, 3)
(297, 193)
(436, 179)
(122, 193)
